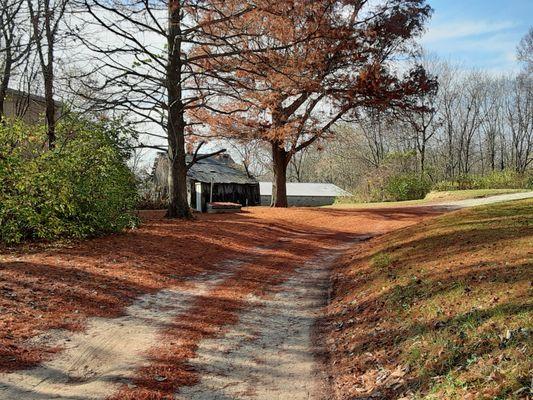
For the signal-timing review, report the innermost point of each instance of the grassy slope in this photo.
(440, 310)
(434, 197)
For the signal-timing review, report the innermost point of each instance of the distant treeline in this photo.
(475, 132)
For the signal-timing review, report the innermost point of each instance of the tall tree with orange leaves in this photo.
(326, 59)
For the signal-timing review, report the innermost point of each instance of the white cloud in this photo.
(464, 29)
(480, 43)
(489, 44)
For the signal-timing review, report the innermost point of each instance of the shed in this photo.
(304, 194)
(219, 179)
(213, 179)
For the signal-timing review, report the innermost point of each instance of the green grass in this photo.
(453, 298)
(381, 260)
(431, 198)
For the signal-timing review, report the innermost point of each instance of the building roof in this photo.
(221, 169)
(306, 189)
(34, 97)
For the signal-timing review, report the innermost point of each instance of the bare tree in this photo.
(519, 113)
(460, 109)
(297, 166)
(492, 128)
(525, 51)
(47, 18)
(153, 64)
(423, 121)
(250, 154)
(373, 125)
(15, 43)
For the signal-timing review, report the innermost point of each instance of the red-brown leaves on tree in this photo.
(312, 63)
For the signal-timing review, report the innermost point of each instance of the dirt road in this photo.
(107, 353)
(270, 353)
(484, 201)
(238, 330)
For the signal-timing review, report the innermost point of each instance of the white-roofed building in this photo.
(304, 194)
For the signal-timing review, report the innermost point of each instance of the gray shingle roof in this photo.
(218, 171)
(306, 189)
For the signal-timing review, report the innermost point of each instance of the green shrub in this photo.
(82, 188)
(506, 179)
(394, 180)
(385, 185)
(407, 186)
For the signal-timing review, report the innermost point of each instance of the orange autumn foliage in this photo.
(309, 64)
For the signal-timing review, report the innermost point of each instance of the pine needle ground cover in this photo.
(61, 286)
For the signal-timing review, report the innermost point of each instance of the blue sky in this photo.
(478, 34)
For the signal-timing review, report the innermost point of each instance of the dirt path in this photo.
(96, 361)
(484, 201)
(269, 354)
(265, 352)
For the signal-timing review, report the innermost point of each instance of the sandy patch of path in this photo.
(94, 362)
(484, 201)
(270, 353)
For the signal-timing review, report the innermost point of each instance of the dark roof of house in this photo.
(219, 169)
(34, 97)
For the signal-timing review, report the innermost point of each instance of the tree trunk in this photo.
(48, 75)
(492, 154)
(6, 75)
(280, 160)
(2, 98)
(178, 206)
(50, 106)
(422, 150)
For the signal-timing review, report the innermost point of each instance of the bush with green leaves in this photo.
(390, 186)
(82, 188)
(506, 179)
(406, 186)
(394, 180)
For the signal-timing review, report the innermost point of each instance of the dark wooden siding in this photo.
(244, 194)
